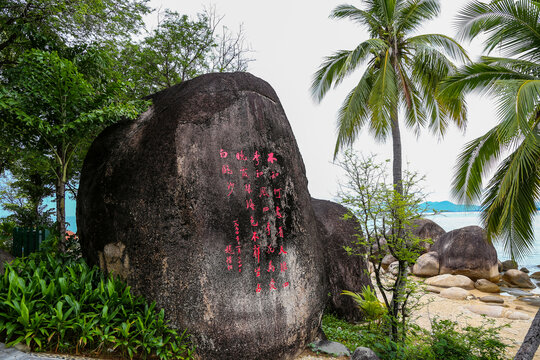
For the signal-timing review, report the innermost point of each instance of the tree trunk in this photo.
(61, 209)
(532, 340)
(396, 149)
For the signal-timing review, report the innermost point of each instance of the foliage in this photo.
(385, 223)
(48, 24)
(52, 303)
(59, 109)
(181, 48)
(372, 308)
(513, 27)
(445, 341)
(6, 234)
(403, 73)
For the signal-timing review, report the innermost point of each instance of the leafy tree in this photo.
(403, 72)
(42, 24)
(509, 200)
(62, 110)
(513, 27)
(379, 210)
(180, 49)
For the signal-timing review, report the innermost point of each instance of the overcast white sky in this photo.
(290, 39)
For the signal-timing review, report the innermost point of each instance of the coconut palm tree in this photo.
(513, 27)
(402, 74)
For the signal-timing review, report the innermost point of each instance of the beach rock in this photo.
(515, 292)
(535, 275)
(509, 265)
(330, 347)
(517, 315)
(387, 260)
(491, 299)
(447, 281)
(525, 270)
(426, 229)
(518, 278)
(345, 272)
(5, 257)
(433, 289)
(207, 192)
(427, 265)
(486, 286)
(531, 300)
(497, 312)
(364, 353)
(455, 293)
(466, 252)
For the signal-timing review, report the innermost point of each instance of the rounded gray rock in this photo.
(202, 205)
(364, 353)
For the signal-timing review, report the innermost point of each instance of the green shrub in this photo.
(56, 304)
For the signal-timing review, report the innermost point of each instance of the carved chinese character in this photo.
(271, 268)
(253, 223)
(258, 288)
(274, 175)
(239, 265)
(241, 156)
(283, 266)
(223, 154)
(268, 232)
(250, 204)
(256, 157)
(263, 192)
(281, 250)
(244, 172)
(265, 209)
(280, 232)
(278, 214)
(285, 284)
(226, 170)
(259, 173)
(247, 187)
(229, 262)
(238, 249)
(255, 237)
(230, 187)
(258, 271)
(278, 192)
(270, 249)
(257, 253)
(272, 284)
(271, 158)
(229, 250)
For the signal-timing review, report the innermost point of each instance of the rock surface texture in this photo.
(518, 278)
(455, 293)
(466, 252)
(486, 286)
(427, 265)
(5, 257)
(345, 272)
(364, 353)
(204, 199)
(427, 229)
(447, 281)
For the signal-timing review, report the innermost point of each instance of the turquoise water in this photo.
(72, 223)
(455, 220)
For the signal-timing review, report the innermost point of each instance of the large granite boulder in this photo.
(466, 251)
(427, 229)
(427, 265)
(5, 257)
(205, 197)
(518, 279)
(344, 271)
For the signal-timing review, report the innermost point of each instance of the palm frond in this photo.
(523, 67)
(362, 17)
(443, 43)
(336, 67)
(414, 14)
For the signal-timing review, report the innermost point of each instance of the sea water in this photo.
(455, 220)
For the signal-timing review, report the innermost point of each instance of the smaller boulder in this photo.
(330, 347)
(447, 281)
(5, 257)
(386, 261)
(393, 268)
(455, 293)
(492, 299)
(364, 353)
(427, 265)
(531, 300)
(535, 275)
(486, 286)
(509, 265)
(433, 289)
(518, 278)
(524, 269)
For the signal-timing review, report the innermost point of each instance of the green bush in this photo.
(446, 341)
(53, 303)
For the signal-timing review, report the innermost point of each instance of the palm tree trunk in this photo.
(396, 149)
(532, 340)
